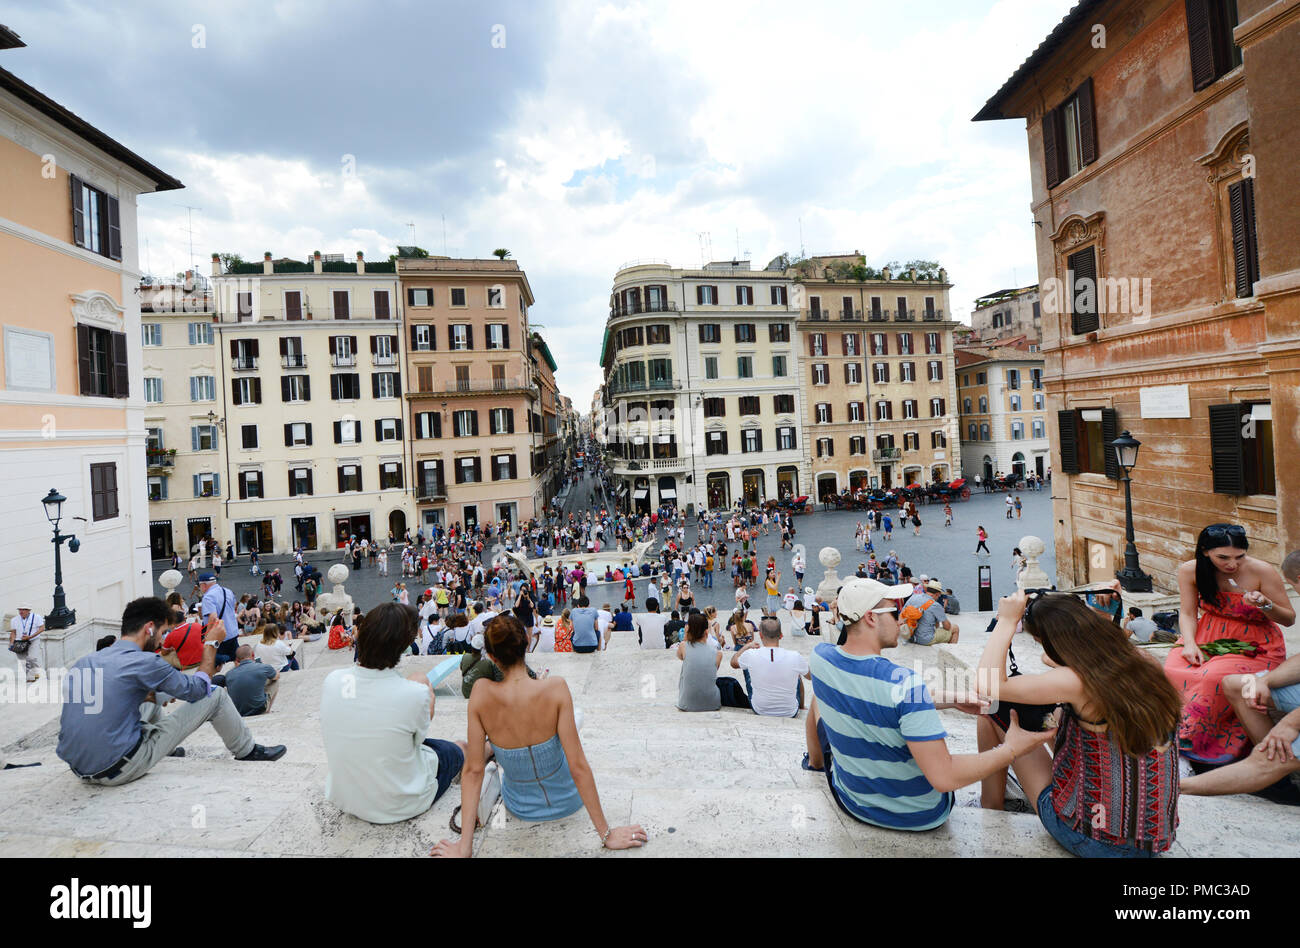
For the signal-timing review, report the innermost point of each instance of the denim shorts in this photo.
(450, 761)
(1077, 843)
(1286, 699)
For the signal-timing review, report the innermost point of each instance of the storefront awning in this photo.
(639, 493)
(622, 489)
(670, 493)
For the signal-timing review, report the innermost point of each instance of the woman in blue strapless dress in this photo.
(533, 736)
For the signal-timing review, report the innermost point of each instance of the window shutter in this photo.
(505, 336)
(234, 348)
(1087, 123)
(1200, 43)
(306, 388)
(410, 296)
(284, 387)
(334, 345)
(163, 487)
(243, 485)
(338, 432)
(340, 474)
(1226, 456)
(510, 421)
(473, 426)
(699, 296)
(234, 392)
(397, 384)
(1051, 150)
(353, 347)
(374, 344)
(398, 423)
(414, 343)
(1084, 267)
(374, 384)
(284, 346)
(293, 484)
(114, 229)
(1067, 425)
(437, 425)
(78, 212)
(379, 430)
(197, 488)
(257, 391)
(216, 485)
(309, 480)
(469, 337)
(381, 304)
(1241, 205)
(288, 435)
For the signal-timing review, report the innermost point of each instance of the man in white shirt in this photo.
(773, 675)
(650, 627)
(604, 623)
(24, 627)
(382, 769)
(482, 616)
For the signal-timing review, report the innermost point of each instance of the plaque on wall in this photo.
(29, 360)
(1165, 401)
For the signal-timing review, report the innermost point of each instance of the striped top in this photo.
(871, 708)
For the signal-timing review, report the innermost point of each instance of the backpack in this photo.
(911, 615)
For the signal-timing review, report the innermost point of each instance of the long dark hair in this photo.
(1212, 537)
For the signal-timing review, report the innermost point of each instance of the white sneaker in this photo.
(490, 793)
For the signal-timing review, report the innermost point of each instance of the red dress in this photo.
(563, 637)
(1210, 731)
(338, 637)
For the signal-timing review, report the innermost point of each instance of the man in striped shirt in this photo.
(874, 729)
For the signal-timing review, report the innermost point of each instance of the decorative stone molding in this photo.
(1077, 230)
(97, 308)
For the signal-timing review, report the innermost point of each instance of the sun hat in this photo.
(934, 586)
(859, 596)
(549, 620)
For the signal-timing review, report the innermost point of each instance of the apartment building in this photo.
(876, 376)
(72, 401)
(474, 404)
(700, 402)
(1163, 175)
(1007, 314)
(1003, 410)
(308, 404)
(548, 458)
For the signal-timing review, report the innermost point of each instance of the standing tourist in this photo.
(220, 602)
(983, 536)
(23, 629)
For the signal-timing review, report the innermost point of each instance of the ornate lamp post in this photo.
(1131, 578)
(60, 617)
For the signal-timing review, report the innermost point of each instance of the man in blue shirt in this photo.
(876, 732)
(221, 602)
(106, 737)
(585, 637)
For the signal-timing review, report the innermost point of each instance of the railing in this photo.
(159, 458)
(887, 454)
(819, 315)
(932, 315)
(293, 362)
(305, 313)
(906, 315)
(484, 385)
(245, 364)
(385, 360)
(431, 490)
(851, 315)
(651, 464)
(343, 361)
(881, 316)
(637, 309)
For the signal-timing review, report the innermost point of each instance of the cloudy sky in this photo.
(579, 134)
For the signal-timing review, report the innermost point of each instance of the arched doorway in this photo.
(887, 475)
(1018, 464)
(668, 490)
(827, 486)
(787, 482)
(753, 486)
(859, 480)
(988, 468)
(397, 525)
(939, 473)
(719, 485)
(911, 476)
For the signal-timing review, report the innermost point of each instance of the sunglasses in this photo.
(1225, 531)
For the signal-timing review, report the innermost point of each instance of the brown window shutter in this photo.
(374, 343)
(78, 212)
(256, 349)
(284, 387)
(1200, 43)
(1067, 425)
(234, 348)
(1109, 432)
(234, 392)
(333, 345)
(1051, 150)
(114, 221)
(1241, 205)
(288, 441)
(284, 346)
(306, 392)
(293, 305)
(83, 358)
(1087, 122)
(381, 304)
(121, 375)
(353, 340)
(1226, 456)
(257, 391)
(340, 472)
(699, 296)
(1084, 267)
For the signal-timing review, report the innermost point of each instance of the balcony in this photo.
(851, 315)
(887, 454)
(636, 309)
(430, 491)
(160, 458)
(649, 464)
(880, 316)
(906, 315)
(932, 315)
(244, 364)
(343, 361)
(385, 360)
(819, 315)
(467, 386)
(293, 362)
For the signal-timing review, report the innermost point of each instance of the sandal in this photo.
(805, 765)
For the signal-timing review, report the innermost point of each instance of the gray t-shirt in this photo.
(584, 626)
(930, 618)
(1142, 627)
(246, 685)
(697, 688)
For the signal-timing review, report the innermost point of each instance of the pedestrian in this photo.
(887, 524)
(1011, 505)
(1018, 506)
(23, 630)
(916, 521)
(982, 545)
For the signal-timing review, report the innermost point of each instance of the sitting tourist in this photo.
(1119, 719)
(623, 621)
(382, 768)
(543, 770)
(102, 733)
(874, 728)
(251, 683)
(339, 636)
(650, 627)
(699, 688)
(185, 640)
(742, 630)
(773, 675)
(673, 629)
(585, 637)
(1138, 626)
(923, 620)
(476, 664)
(272, 650)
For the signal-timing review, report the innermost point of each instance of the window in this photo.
(1036, 378)
(96, 222)
(381, 304)
(1015, 402)
(984, 404)
(751, 440)
(428, 424)
(498, 336)
(938, 439)
(933, 343)
(744, 296)
(857, 445)
(1038, 401)
(291, 355)
(420, 296)
(388, 429)
(1082, 279)
(1070, 136)
(880, 372)
(203, 438)
(207, 485)
(501, 421)
(1245, 250)
(710, 332)
(658, 335)
(825, 447)
(496, 297)
(1085, 437)
(300, 481)
(468, 471)
(715, 443)
(345, 432)
(1013, 379)
(746, 332)
(248, 437)
(103, 491)
(972, 431)
(851, 343)
(203, 388)
(853, 373)
(342, 304)
(151, 334)
(984, 432)
(462, 378)
(422, 338)
(153, 392)
(250, 484)
(911, 441)
(785, 439)
(661, 371)
(465, 424)
(244, 307)
(349, 478)
(424, 378)
(295, 388)
(200, 334)
(343, 351)
(710, 367)
(857, 412)
(934, 371)
(457, 296)
(1209, 40)
(903, 312)
(157, 488)
(503, 467)
(390, 476)
(907, 372)
(981, 378)
(884, 411)
(745, 367)
(715, 408)
(930, 312)
(815, 307)
(101, 362)
(706, 295)
(462, 336)
(1017, 431)
(783, 404)
(1040, 428)
(885, 442)
(385, 384)
(345, 386)
(909, 408)
(779, 367)
(749, 405)
(778, 332)
(431, 479)
(1241, 448)
(847, 310)
(905, 343)
(821, 373)
(823, 413)
(778, 296)
(817, 344)
(246, 391)
(879, 344)
(966, 406)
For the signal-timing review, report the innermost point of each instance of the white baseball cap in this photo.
(859, 596)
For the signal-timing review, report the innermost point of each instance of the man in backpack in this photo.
(924, 620)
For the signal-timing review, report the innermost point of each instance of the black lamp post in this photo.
(61, 617)
(1131, 578)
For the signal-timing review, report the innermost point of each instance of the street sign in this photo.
(986, 588)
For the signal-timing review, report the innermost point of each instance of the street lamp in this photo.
(1131, 578)
(60, 617)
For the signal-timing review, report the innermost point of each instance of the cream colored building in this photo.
(1003, 410)
(1007, 314)
(71, 395)
(700, 400)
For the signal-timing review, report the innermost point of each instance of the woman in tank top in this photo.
(697, 688)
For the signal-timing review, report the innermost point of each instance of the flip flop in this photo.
(805, 766)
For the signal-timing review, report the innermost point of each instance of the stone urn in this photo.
(829, 557)
(169, 580)
(1032, 576)
(338, 597)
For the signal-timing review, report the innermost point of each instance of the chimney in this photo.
(216, 264)
(267, 266)
(361, 262)
(315, 262)
(912, 273)
(885, 273)
(189, 281)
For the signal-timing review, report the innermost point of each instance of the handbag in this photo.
(20, 646)
(1032, 716)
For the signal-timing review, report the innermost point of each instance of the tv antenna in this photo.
(706, 246)
(189, 210)
(411, 224)
(802, 253)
